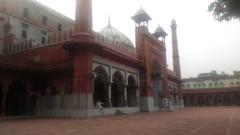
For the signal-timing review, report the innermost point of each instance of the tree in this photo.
(225, 9)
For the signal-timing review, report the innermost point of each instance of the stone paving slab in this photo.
(189, 121)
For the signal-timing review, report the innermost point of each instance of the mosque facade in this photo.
(53, 66)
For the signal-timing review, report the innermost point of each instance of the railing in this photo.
(20, 45)
(60, 37)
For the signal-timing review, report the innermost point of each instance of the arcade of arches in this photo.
(215, 99)
(114, 90)
(16, 100)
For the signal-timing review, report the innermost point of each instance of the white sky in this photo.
(204, 44)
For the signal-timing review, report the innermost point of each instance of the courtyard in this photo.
(188, 121)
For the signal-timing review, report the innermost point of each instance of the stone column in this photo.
(109, 94)
(137, 96)
(125, 96)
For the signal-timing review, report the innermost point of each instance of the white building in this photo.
(213, 80)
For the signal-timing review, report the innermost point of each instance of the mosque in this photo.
(53, 66)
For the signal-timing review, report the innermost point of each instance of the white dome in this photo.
(114, 35)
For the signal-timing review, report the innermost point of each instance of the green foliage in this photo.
(225, 9)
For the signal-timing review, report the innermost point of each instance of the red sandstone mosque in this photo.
(51, 65)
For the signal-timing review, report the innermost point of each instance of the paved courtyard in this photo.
(189, 121)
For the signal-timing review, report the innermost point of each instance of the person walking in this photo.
(99, 106)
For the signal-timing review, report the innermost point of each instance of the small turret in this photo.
(160, 33)
(141, 18)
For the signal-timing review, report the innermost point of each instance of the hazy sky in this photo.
(204, 44)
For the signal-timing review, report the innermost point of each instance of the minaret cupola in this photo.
(160, 33)
(141, 18)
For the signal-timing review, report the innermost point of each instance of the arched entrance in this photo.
(131, 92)
(227, 100)
(210, 101)
(157, 84)
(192, 101)
(16, 101)
(201, 101)
(1, 99)
(118, 90)
(218, 100)
(236, 99)
(100, 92)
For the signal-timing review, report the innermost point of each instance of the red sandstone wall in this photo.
(45, 54)
(36, 82)
(151, 52)
(61, 80)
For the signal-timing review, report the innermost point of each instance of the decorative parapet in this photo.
(19, 45)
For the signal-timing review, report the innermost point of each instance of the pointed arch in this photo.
(132, 91)
(118, 83)
(218, 100)
(236, 99)
(100, 89)
(201, 100)
(210, 100)
(16, 102)
(101, 73)
(227, 100)
(156, 83)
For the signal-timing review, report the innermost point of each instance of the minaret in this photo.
(141, 19)
(176, 61)
(83, 18)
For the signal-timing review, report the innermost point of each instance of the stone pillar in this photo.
(125, 96)
(82, 82)
(137, 96)
(109, 94)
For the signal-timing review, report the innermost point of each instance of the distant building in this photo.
(212, 80)
(25, 20)
(211, 85)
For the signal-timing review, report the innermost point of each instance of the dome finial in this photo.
(109, 19)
